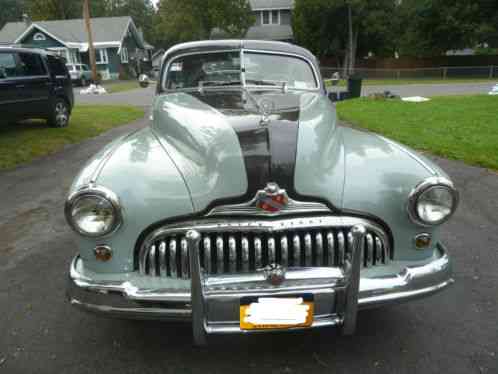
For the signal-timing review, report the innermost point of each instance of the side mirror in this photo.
(144, 81)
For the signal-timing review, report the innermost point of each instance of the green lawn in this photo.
(458, 127)
(398, 82)
(24, 142)
(121, 86)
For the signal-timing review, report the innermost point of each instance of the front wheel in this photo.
(60, 114)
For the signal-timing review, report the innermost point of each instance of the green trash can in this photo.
(354, 87)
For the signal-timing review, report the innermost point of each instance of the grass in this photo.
(121, 86)
(399, 82)
(459, 127)
(26, 141)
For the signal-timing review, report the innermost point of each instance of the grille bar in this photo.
(229, 251)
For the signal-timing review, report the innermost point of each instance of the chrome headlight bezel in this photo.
(99, 192)
(423, 187)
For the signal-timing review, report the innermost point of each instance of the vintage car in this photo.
(245, 207)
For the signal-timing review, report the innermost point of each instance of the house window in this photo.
(39, 37)
(124, 55)
(270, 17)
(101, 56)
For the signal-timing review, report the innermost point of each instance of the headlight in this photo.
(432, 202)
(93, 211)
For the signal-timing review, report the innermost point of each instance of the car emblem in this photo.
(272, 199)
(275, 274)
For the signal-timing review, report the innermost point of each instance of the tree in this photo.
(322, 26)
(196, 19)
(42, 10)
(432, 27)
(12, 11)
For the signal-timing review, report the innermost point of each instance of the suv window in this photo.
(57, 67)
(8, 66)
(31, 65)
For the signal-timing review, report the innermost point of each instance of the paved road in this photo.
(143, 97)
(453, 332)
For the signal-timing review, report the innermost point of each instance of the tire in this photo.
(84, 83)
(59, 117)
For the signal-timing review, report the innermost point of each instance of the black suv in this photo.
(34, 84)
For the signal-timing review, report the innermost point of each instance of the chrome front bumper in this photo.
(212, 303)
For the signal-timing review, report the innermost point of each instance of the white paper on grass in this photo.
(277, 311)
(415, 99)
(494, 90)
(93, 90)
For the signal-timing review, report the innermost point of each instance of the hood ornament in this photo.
(272, 199)
(266, 108)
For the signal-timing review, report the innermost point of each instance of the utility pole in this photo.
(350, 32)
(91, 50)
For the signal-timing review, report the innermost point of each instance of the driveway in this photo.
(453, 332)
(140, 97)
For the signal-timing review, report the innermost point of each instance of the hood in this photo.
(227, 149)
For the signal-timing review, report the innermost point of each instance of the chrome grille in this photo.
(239, 247)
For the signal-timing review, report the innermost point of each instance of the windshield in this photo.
(199, 71)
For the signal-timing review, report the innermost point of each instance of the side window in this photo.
(8, 68)
(31, 65)
(57, 66)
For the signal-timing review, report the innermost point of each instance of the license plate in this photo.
(260, 313)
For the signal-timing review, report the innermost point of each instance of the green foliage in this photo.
(12, 10)
(322, 26)
(432, 27)
(196, 19)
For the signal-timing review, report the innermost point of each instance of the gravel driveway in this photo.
(453, 332)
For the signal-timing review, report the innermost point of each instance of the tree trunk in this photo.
(91, 50)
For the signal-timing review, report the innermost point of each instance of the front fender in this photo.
(150, 188)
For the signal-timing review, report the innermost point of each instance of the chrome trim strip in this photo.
(319, 249)
(197, 290)
(172, 257)
(257, 253)
(184, 258)
(163, 270)
(232, 255)
(284, 250)
(245, 254)
(340, 248)
(272, 255)
(307, 250)
(250, 209)
(296, 255)
(370, 250)
(219, 255)
(353, 267)
(207, 254)
(152, 261)
(330, 249)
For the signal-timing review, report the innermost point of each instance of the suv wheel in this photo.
(84, 82)
(60, 114)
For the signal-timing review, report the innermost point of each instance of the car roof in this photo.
(217, 45)
(21, 49)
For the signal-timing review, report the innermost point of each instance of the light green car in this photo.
(245, 207)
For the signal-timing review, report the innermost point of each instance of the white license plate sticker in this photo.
(276, 312)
